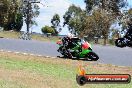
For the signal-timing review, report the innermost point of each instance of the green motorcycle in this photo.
(82, 49)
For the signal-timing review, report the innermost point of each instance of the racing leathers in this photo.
(69, 44)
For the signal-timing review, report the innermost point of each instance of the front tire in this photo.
(119, 42)
(93, 56)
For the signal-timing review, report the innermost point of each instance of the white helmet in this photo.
(70, 35)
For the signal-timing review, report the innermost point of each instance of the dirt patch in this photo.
(113, 69)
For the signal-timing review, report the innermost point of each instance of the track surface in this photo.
(107, 54)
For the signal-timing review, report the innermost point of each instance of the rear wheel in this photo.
(93, 56)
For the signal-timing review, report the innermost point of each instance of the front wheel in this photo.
(119, 42)
(93, 56)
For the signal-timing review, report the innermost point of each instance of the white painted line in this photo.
(1, 50)
(28, 54)
(47, 56)
(32, 54)
(40, 55)
(122, 66)
(9, 51)
(25, 53)
(53, 57)
(17, 52)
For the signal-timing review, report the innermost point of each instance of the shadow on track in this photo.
(74, 58)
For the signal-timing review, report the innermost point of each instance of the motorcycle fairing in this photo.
(84, 52)
(85, 45)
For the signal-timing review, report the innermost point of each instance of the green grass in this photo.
(9, 34)
(58, 70)
(41, 38)
(15, 35)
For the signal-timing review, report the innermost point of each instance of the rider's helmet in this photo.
(70, 35)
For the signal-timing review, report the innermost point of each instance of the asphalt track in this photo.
(108, 54)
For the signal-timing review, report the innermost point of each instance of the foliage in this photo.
(104, 14)
(126, 19)
(115, 33)
(113, 6)
(47, 29)
(55, 20)
(30, 10)
(13, 11)
(10, 18)
(74, 18)
(56, 23)
(16, 24)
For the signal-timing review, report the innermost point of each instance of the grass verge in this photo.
(20, 71)
(15, 35)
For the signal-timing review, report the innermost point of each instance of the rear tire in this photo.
(93, 56)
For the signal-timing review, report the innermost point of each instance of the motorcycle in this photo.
(125, 41)
(82, 49)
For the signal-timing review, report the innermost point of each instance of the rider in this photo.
(69, 43)
(129, 32)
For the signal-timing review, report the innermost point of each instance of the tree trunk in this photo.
(105, 39)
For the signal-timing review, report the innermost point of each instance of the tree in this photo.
(10, 18)
(18, 22)
(47, 29)
(112, 6)
(115, 33)
(30, 10)
(109, 11)
(56, 23)
(3, 13)
(126, 19)
(74, 18)
(15, 24)
(88, 28)
(97, 24)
